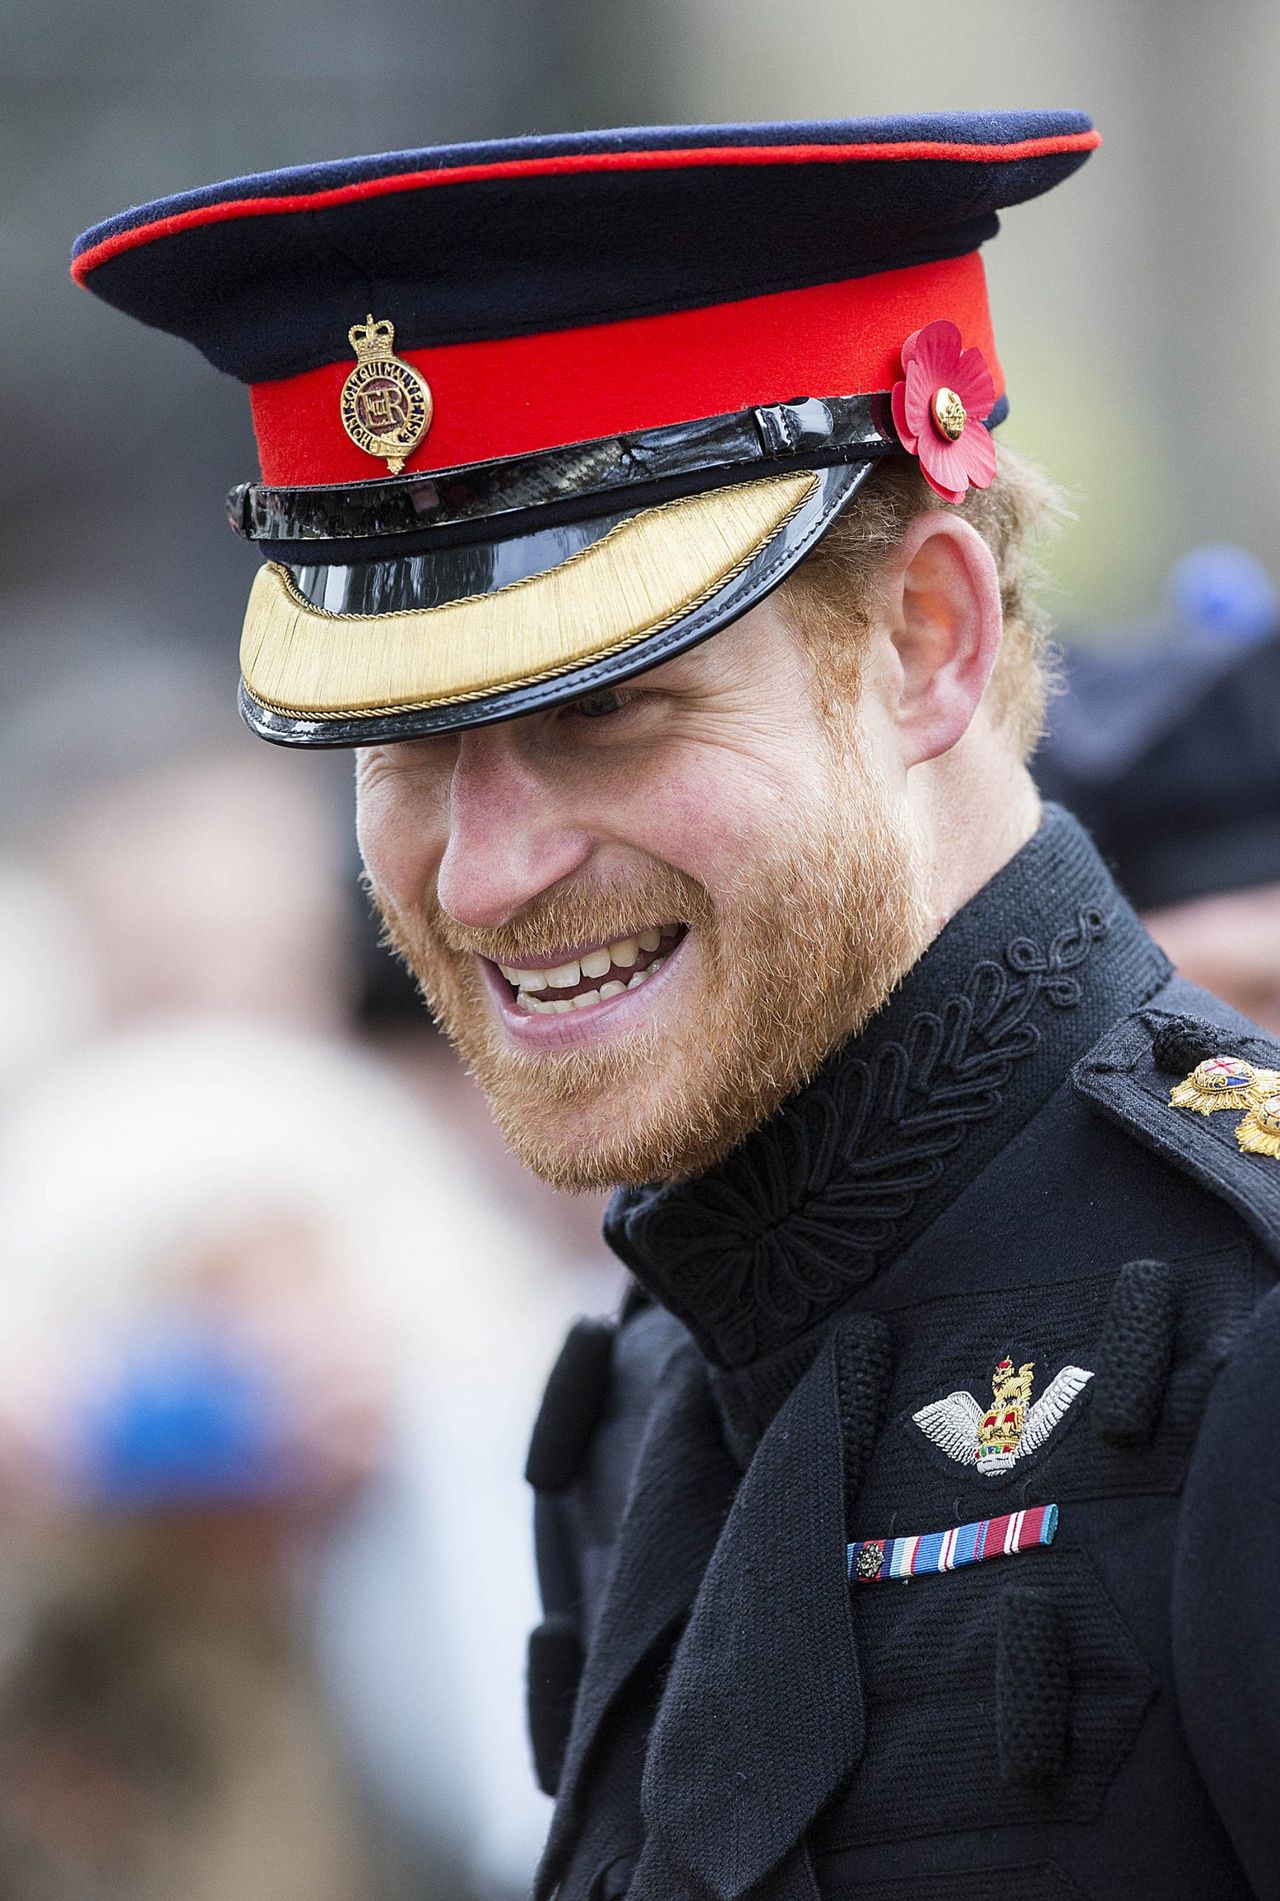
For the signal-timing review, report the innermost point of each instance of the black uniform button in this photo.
(1136, 1354)
(1033, 1687)
(571, 1407)
(555, 1670)
(864, 1370)
(1183, 1042)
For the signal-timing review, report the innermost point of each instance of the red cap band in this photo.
(522, 395)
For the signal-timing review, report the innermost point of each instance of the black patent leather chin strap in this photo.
(813, 431)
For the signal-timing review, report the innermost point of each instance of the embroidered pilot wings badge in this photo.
(994, 1438)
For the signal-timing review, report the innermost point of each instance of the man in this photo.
(935, 1259)
(1168, 747)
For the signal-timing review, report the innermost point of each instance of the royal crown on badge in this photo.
(1000, 1433)
(992, 1439)
(386, 405)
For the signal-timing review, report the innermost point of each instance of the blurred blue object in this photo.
(1224, 592)
(1167, 741)
(1126, 692)
(187, 1422)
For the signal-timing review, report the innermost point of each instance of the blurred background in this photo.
(277, 1307)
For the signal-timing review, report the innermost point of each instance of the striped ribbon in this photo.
(871, 1559)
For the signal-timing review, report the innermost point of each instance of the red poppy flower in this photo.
(940, 407)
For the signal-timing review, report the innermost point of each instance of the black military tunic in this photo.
(992, 1172)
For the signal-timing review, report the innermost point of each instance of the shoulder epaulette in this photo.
(1193, 1081)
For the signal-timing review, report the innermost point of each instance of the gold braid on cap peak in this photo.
(644, 574)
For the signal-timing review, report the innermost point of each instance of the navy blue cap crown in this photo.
(553, 232)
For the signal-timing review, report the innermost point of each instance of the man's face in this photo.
(645, 917)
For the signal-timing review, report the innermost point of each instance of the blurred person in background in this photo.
(200, 876)
(1167, 745)
(195, 872)
(159, 869)
(266, 1363)
(49, 991)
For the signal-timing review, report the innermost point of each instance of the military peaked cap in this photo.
(536, 415)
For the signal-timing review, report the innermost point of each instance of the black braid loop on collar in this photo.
(777, 1237)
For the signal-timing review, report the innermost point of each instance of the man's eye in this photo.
(600, 705)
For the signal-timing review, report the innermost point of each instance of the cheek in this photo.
(402, 834)
(715, 816)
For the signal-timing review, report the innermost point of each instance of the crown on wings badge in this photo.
(994, 1437)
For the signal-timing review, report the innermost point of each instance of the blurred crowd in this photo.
(277, 1312)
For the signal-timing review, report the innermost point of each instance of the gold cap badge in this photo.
(386, 405)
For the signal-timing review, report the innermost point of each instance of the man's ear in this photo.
(941, 614)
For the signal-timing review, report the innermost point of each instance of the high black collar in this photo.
(758, 1253)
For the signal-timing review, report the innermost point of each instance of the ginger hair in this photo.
(830, 593)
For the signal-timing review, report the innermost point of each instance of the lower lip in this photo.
(612, 1016)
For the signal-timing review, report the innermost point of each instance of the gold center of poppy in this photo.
(948, 413)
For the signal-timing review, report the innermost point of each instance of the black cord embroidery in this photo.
(777, 1237)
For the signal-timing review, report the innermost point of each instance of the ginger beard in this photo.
(791, 955)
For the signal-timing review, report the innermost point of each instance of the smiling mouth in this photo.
(594, 975)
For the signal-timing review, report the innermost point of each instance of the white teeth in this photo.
(523, 979)
(622, 955)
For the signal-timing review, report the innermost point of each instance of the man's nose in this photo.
(509, 838)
